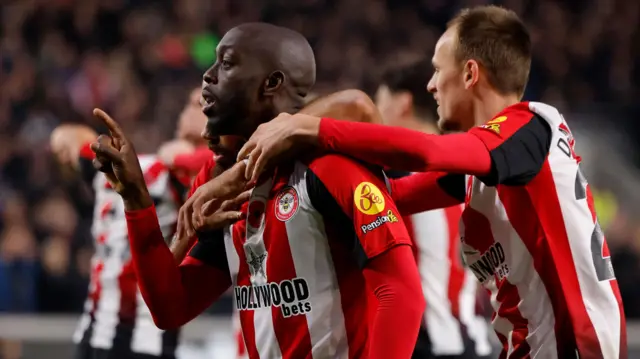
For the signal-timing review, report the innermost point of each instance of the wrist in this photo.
(137, 199)
(309, 131)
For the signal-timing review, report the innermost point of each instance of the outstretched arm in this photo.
(399, 148)
(174, 294)
(425, 191)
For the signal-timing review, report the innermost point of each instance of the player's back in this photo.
(299, 288)
(538, 247)
(115, 314)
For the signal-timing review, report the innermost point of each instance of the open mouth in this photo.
(209, 103)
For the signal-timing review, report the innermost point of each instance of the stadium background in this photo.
(138, 59)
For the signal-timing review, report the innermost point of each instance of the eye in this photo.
(226, 64)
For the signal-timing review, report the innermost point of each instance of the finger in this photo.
(251, 162)
(103, 147)
(220, 220)
(212, 206)
(101, 165)
(234, 204)
(184, 220)
(261, 163)
(248, 147)
(111, 124)
(203, 208)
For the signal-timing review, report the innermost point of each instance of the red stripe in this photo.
(509, 299)
(535, 213)
(241, 349)
(456, 270)
(246, 316)
(154, 171)
(291, 332)
(96, 291)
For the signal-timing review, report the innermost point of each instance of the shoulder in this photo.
(337, 165)
(512, 121)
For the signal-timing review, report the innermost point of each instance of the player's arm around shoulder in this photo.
(518, 141)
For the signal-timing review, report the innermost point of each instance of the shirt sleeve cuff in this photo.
(141, 214)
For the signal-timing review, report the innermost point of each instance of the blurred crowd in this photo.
(138, 59)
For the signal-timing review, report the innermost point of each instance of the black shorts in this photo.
(84, 351)
(423, 349)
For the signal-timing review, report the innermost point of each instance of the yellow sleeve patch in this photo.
(368, 198)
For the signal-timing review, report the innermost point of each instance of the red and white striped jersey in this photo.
(115, 313)
(296, 260)
(536, 245)
(450, 290)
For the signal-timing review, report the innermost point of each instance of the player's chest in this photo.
(261, 239)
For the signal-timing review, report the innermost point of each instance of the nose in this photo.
(431, 85)
(210, 76)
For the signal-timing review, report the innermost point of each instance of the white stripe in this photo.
(108, 308)
(266, 342)
(232, 256)
(83, 325)
(146, 338)
(477, 326)
(432, 237)
(326, 319)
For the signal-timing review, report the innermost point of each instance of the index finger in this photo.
(246, 150)
(111, 124)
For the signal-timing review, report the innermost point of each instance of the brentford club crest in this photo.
(287, 204)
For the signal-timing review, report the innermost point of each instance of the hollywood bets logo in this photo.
(491, 263)
(368, 199)
(291, 296)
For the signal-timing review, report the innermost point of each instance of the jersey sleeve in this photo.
(419, 192)
(518, 142)
(352, 198)
(209, 246)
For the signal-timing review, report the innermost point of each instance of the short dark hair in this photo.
(412, 77)
(499, 41)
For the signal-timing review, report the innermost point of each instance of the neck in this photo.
(489, 103)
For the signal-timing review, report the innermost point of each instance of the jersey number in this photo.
(602, 264)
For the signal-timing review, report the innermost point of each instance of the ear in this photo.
(470, 73)
(273, 83)
(404, 103)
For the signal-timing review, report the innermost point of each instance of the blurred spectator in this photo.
(139, 58)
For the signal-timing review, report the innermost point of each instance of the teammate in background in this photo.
(530, 232)
(116, 323)
(450, 328)
(186, 154)
(320, 263)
